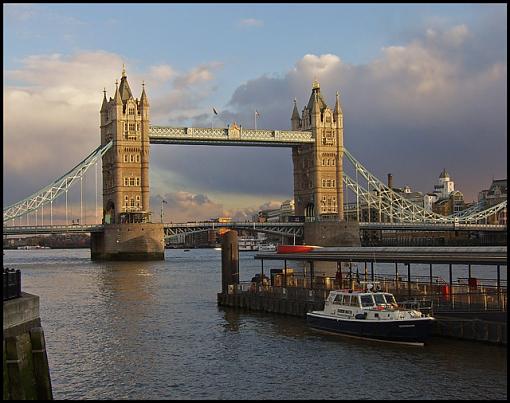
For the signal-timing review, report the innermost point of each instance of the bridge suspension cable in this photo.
(399, 209)
(49, 193)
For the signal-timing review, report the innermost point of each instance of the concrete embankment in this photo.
(25, 362)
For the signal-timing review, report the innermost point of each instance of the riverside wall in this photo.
(25, 362)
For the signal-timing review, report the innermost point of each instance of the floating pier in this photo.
(469, 309)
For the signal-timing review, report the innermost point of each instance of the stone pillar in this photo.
(137, 241)
(229, 260)
(332, 233)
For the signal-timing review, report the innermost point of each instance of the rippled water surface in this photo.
(153, 330)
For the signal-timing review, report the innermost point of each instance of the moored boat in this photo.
(371, 315)
(295, 248)
(267, 247)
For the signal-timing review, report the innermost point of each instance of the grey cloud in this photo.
(414, 110)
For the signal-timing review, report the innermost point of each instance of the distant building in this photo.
(287, 209)
(281, 214)
(453, 204)
(203, 239)
(496, 194)
(445, 186)
(428, 201)
(444, 200)
(407, 193)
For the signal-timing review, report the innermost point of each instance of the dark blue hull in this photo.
(408, 331)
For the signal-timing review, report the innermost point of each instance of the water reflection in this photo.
(124, 282)
(231, 317)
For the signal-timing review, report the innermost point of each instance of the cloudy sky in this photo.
(423, 87)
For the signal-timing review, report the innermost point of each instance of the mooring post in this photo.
(450, 283)
(469, 286)
(229, 260)
(408, 279)
(396, 276)
(351, 280)
(311, 274)
(499, 286)
(430, 278)
(285, 273)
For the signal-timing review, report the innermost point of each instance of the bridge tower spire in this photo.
(295, 119)
(318, 170)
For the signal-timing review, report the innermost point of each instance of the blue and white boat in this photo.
(371, 315)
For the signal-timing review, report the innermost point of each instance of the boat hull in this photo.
(400, 331)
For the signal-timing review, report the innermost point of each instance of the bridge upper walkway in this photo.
(228, 136)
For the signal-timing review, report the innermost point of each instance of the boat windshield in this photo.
(367, 300)
(390, 299)
(338, 299)
(379, 299)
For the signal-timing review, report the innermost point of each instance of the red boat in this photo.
(295, 248)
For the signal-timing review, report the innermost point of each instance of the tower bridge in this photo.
(320, 182)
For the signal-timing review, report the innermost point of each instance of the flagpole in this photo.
(212, 120)
(255, 119)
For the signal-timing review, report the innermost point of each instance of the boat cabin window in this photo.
(338, 299)
(379, 299)
(366, 300)
(354, 300)
(390, 299)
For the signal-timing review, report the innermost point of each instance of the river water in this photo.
(153, 330)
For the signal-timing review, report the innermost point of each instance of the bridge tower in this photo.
(318, 190)
(318, 173)
(125, 120)
(128, 234)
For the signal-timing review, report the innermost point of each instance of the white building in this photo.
(428, 200)
(445, 186)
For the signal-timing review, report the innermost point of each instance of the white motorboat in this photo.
(371, 315)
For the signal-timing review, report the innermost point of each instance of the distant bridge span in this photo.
(285, 229)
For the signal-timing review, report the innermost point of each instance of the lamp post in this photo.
(162, 201)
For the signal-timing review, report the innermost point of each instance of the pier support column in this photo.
(229, 261)
(136, 241)
(25, 362)
(332, 233)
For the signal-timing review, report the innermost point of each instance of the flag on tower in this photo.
(257, 114)
(214, 110)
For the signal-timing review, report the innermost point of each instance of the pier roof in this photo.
(433, 255)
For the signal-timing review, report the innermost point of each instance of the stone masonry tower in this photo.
(318, 174)
(125, 120)
(318, 190)
(128, 233)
